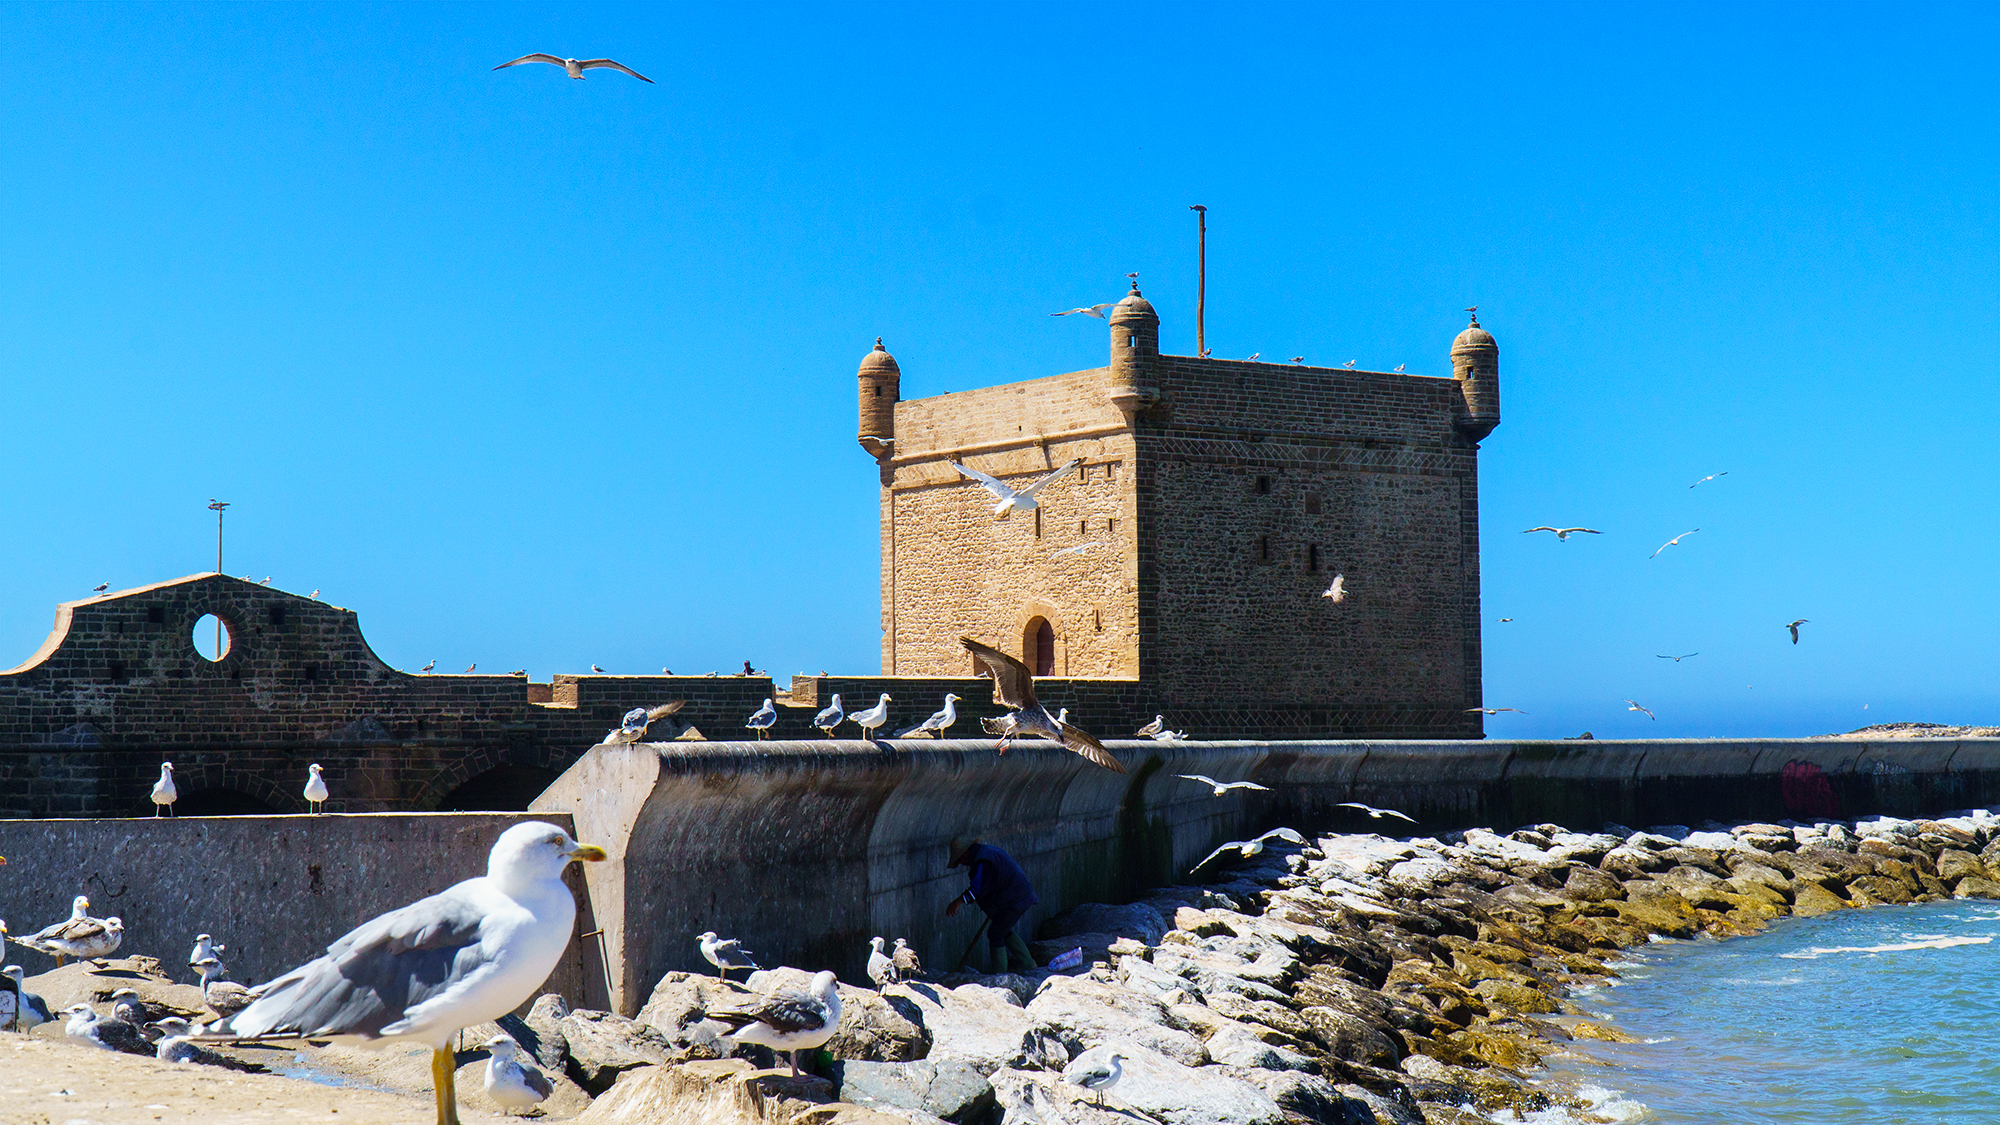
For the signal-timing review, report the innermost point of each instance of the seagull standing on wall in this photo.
(633, 727)
(831, 717)
(1014, 686)
(765, 718)
(315, 793)
(938, 723)
(164, 793)
(1010, 500)
(574, 67)
(872, 719)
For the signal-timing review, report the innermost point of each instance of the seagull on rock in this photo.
(204, 948)
(790, 1019)
(1097, 1070)
(765, 718)
(725, 954)
(574, 67)
(1010, 499)
(872, 719)
(80, 936)
(1014, 686)
(87, 1028)
(174, 1046)
(633, 727)
(1375, 813)
(511, 1080)
(1223, 787)
(881, 966)
(315, 791)
(1248, 848)
(908, 966)
(164, 793)
(831, 717)
(1565, 532)
(423, 972)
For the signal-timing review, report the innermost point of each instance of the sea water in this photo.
(1883, 1016)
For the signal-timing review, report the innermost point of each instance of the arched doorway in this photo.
(500, 789)
(1038, 647)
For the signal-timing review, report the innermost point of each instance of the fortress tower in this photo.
(1216, 501)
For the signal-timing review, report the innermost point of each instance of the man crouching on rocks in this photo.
(1001, 889)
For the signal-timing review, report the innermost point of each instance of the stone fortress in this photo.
(1178, 572)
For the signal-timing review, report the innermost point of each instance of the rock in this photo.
(1386, 1110)
(1082, 1013)
(1881, 889)
(1144, 977)
(679, 1006)
(1095, 946)
(1954, 864)
(1236, 1046)
(952, 1089)
(1810, 899)
(1348, 1036)
(1588, 884)
(1173, 1094)
(1976, 886)
(1308, 1096)
(1133, 920)
(1518, 997)
(708, 1092)
(602, 1046)
(972, 1023)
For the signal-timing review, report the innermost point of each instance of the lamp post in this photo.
(217, 506)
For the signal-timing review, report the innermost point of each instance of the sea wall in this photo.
(275, 889)
(805, 849)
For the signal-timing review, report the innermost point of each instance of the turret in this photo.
(1135, 349)
(881, 386)
(1475, 363)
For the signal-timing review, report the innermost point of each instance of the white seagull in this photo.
(1349, 365)
(315, 791)
(79, 936)
(204, 947)
(31, 1009)
(1337, 591)
(1252, 357)
(1634, 706)
(100, 587)
(881, 966)
(1097, 1070)
(633, 726)
(1672, 542)
(1494, 710)
(832, 716)
(1678, 659)
(1248, 848)
(937, 724)
(1298, 359)
(1158, 724)
(725, 954)
(1565, 532)
(872, 719)
(789, 1020)
(424, 972)
(429, 666)
(90, 1030)
(1794, 627)
(1399, 368)
(765, 718)
(511, 1080)
(1097, 311)
(1014, 687)
(164, 794)
(1009, 499)
(1708, 478)
(596, 669)
(575, 67)
(1222, 787)
(1375, 813)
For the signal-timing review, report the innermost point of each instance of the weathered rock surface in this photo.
(971, 1024)
(723, 1092)
(603, 1046)
(951, 1089)
(1081, 1013)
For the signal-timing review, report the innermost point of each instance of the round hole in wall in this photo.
(211, 637)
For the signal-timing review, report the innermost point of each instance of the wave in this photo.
(1601, 1107)
(1890, 947)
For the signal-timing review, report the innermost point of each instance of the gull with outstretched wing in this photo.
(1014, 687)
(575, 67)
(1011, 500)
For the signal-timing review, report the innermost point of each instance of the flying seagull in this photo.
(725, 954)
(1011, 501)
(1014, 686)
(1248, 848)
(1676, 659)
(633, 727)
(575, 67)
(1564, 532)
(1494, 710)
(1708, 478)
(315, 791)
(789, 1019)
(1794, 627)
(1337, 591)
(831, 717)
(1223, 787)
(1635, 707)
(765, 718)
(1298, 359)
(1375, 813)
(423, 972)
(1094, 310)
(1506, 619)
(1672, 542)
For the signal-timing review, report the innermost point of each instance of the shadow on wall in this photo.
(500, 789)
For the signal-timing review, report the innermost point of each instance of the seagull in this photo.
(126, 1005)
(100, 587)
(1094, 310)
(204, 948)
(1011, 501)
(1014, 686)
(1248, 848)
(315, 791)
(1399, 368)
(1252, 357)
(32, 1009)
(1375, 813)
(518, 672)
(469, 668)
(1349, 365)
(790, 1020)
(1150, 730)
(872, 719)
(423, 972)
(1062, 716)
(881, 967)
(1298, 359)
(596, 669)
(937, 724)
(1677, 659)
(725, 954)
(511, 1080)
(1708, 478)
(832, 716)
(1505, 619)
(575, 67)
(224, 997)
(1672, 542)
(1223, 787)
(78, 923)
(1564, 532)
(1337, 591)
(633, 727)
(1076, 550)
(173, 1046)
(164, 794)
(1635, 707)
(86, 1027)
(429, 666)
(1494, 710)
(1096, 1070)
(1171, 736)
(1794, 627)
(266, 581)
(908, 967)
(315, 594)
(765, 718)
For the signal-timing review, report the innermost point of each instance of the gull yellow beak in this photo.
(589, 852)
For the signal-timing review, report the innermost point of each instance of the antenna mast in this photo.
(1201, 284)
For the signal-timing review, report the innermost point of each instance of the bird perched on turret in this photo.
(574, 67)
(830, 717)
(1014, 687)
(1010, 499)
(881, 966)
(790, 1019)
(164, 794)
(633, 727)
(765, 718)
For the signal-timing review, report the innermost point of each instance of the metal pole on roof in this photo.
(1201, 283)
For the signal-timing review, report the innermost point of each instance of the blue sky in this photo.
(543, 373)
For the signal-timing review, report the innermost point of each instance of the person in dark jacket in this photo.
(1000, 888)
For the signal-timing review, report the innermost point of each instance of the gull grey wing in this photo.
(1052, 477)
(1013, 684)
(992, 484)
(531, 58)
(587, 64)
(1202, 777)
(1288, 835)
(665, 709)
(780, 1013)
(80, 929)
(1211, 856)
(535, 1080)
(1086, 744)
(372, 975)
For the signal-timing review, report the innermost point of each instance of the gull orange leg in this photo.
(444, 1075)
